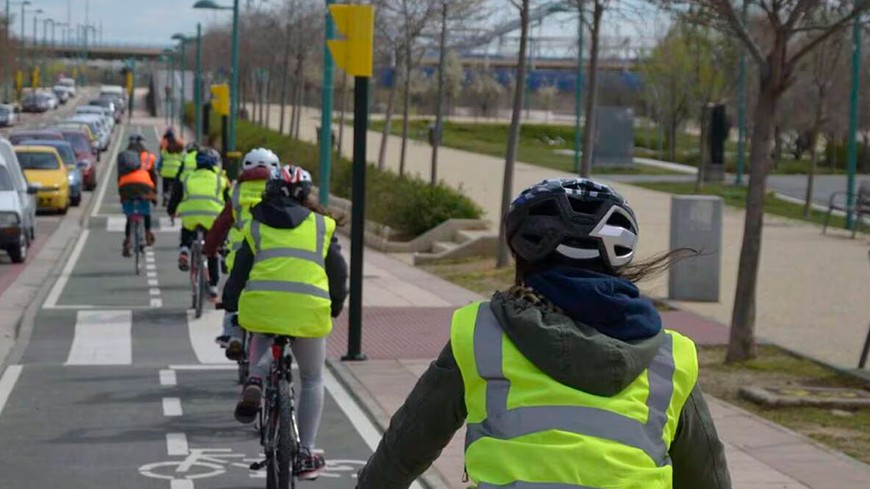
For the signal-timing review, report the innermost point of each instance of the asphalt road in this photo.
(116, 385)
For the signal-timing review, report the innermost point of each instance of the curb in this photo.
(431, 479)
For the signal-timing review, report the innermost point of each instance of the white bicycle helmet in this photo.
(261, 157)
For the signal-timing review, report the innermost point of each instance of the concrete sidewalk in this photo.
(406, 324)
(811, 289)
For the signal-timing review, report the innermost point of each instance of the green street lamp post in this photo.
(197, 90)
(852, 155)
(578, 93)
(741, 107)
(326, 112)
(182, 40)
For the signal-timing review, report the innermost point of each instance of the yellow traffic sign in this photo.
(34, 79)
(19, 80)
(354, 52)
(220, 98)
(129, 83)
(234, 154)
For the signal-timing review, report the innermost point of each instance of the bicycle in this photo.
(198, 271)
(137, 234)
(279, 432)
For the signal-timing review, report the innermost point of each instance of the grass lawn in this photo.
(848, 432)
(736, 196)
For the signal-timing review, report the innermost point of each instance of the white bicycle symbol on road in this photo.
(201, 463)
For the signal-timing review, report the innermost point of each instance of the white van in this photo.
(112, 90)
(16, 198)
(69, 84)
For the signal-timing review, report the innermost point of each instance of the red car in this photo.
(85, 158)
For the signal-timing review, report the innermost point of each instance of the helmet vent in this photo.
(619, 220)
(584, 206)
(545, 208)
(532, 238)
(621, 250)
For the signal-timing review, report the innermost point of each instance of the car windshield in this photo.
(78, 141)
(5, 110)
(64, 149)
(5, 181)
(37, 160)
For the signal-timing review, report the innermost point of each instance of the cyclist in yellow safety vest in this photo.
(188, 163)
(567, 379)
(257, 168)
(288, 279)
(198, 200)
(171, 161)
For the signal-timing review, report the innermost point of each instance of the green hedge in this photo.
(406, 204)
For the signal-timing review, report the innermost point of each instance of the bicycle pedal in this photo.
(258, 465)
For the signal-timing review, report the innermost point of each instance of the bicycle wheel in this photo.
(280, 463)
(201, 284)
(136, 251)
(244, 369)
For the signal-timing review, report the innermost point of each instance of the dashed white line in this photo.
(203, 367)
(152, 282)
(156, 303)
(168, 378)
(7, 382)
(150, 267)
(176, 444)
(171, 406)
(181, 484)
(102, 338)
(151, 274)
(154, 291)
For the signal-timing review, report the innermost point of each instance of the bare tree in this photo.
(514, 132)
(792, 30)
(598, 8)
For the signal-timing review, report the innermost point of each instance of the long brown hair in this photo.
(635, 272)
(314, 206)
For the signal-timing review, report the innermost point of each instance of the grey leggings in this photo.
(309, 354)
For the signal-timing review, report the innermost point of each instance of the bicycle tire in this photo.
(286, 449)
(244, 369)
(201, 287)
(136, 250)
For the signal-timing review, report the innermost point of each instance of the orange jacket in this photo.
(137, 177)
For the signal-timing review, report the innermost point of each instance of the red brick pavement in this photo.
(421, 332)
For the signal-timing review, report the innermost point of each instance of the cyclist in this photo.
(171, 161)
(198, 200)
(567, 379)
(168, 136)
(257, 167)
(147, 159)
(136, 190)
(189, 163)
(288, 279)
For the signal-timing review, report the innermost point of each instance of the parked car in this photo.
(17, 206)
(70, 84)
(44, 168)
(86, 161)
(68, 156)
(108, 104)
(31, 134)
(108, 117)
(53, 101)
(94, 141)
(119, 100)
(35, 102)
(98, 127)
(63, 93)
(7, 115)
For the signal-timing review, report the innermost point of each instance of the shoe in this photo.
(149, 238)
(234, 349)
(308, 465)
(222, 340)
(213, 292)
(183, 261)
(249, 404)
(127, 251)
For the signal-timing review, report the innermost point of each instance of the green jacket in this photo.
(435, 409)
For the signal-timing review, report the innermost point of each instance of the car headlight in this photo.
(8, 219)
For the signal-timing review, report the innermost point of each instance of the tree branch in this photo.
(821, 37)
(727, 10)
(799, 10)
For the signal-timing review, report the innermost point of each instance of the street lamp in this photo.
(182, 40)
(234, 85)
(170, 90)
(7, 67)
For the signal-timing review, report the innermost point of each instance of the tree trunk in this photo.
(406, 109)
(814, 157)
(703, 153)
(741, 345)
(388, 117)
(439, 102)
(297, 96)
(592, 93)
(285, 70)
(269, 99)
(514, 134)
(673, 127)
(777, 145)
(343, 111)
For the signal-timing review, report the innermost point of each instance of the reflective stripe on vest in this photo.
(532, 485)
(282, 286)
(315, 256)
(171, 164)
(194, 207)
(504, 424)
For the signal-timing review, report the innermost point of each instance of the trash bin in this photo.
(696, 223)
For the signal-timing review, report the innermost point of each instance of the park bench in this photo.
(859, 210)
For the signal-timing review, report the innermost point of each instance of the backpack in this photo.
(128, 161)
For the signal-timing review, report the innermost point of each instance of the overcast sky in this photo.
(153, 22)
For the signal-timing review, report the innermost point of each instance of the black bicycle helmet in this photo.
(575, 218)
(207, 158)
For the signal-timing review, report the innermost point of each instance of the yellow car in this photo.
(44, 168)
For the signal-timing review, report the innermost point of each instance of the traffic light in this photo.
(354, 52)
(220, 99)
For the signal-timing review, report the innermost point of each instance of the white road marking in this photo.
(151, 274)
(59, 285)
(357, 418)
(202, 334)
(102, 338)
(171, 406)
(167, 378)
(203, 367)
(166, 225)
(150, 267)
(181, 484)
(154, 291)
(176, 444)
(156, 303)
(152, 282)
(7, 382)
(116, 224)
(107, 170)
